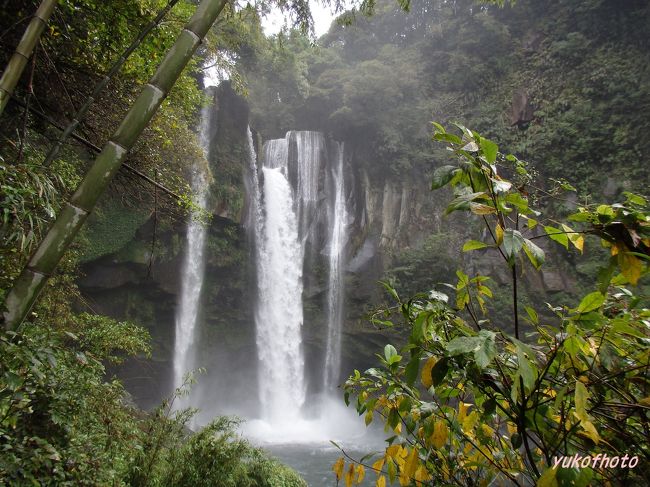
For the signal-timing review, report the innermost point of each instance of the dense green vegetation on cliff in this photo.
(564, 83)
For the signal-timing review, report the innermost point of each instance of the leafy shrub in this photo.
(60, 422)
(467, 403)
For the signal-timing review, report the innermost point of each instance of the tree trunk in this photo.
(18, 61)
(26, 288)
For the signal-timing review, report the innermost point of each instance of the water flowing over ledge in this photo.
(193, 270)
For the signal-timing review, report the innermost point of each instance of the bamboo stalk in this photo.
(99, 87)
(18, 61)
(28, 285)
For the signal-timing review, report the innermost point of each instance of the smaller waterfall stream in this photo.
(338, 218)
(193, 271)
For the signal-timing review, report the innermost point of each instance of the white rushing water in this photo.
(289, 209)
(279, 314)
(308, 160)
(338, 217)
(193, 271)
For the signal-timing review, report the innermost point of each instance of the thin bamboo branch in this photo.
(18, 61)
(43, 262)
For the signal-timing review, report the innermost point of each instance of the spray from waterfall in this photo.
(193, 269)
(338, 218)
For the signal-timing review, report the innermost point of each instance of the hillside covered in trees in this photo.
(180, 191)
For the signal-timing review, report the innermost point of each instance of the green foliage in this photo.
(110, 228)
(217, 456)
(467, 403)
(62, 424)
(377, 82)
(30, 196)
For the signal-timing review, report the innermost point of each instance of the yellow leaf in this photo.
(481, 209)
(440, 434)
(425, 375)
(630, 267)
(470, 421)
(499, 232)
(361, 474)
(381, 482)
(487, 431)
(579, 243)
(462, 411)
(378, 465)
(548, 478)
(645, 401)
(349, 476)
(421, 474)
(590, 431)
(392, 470)
(393, 451)
(338, 468)
(575, 238)
(410, 465)
(368, 417)
(581, 396)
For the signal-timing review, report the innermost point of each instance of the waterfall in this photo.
(193, 268)
(309, 153)
(298, 207)
(279, 314)
(338, 219)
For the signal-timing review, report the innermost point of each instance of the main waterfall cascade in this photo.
(193, 270)
(299, 207)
